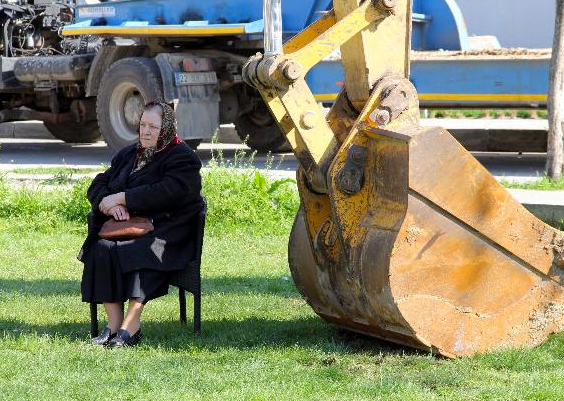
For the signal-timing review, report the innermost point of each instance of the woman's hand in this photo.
(119, 213)
(110, 201)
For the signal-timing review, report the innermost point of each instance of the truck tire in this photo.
(259, 131)
(125, 88)
(72, 132)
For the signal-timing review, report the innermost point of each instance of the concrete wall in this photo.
(516, 23)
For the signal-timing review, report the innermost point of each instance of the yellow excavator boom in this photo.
(401, 233)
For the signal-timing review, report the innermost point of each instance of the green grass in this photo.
(543, 184)
(238, 200)
(441, 114)
(487, 113)
(260, 339)
(59, 170)
(473, 113)
(542, 114)
(494, 113)
(523, 114)
(247, 200)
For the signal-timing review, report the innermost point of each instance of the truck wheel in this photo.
(260, 132)
(125, 88)
(72, 132)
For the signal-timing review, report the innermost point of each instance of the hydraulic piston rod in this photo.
(272, 12)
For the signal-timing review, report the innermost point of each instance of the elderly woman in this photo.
(157, 178)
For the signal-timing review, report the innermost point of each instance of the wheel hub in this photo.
(126, 103)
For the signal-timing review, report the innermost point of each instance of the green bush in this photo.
(247, 199)
(542, 114)
(523, 114)
(439, 114)
(473, 113)
(238, 200)
(543, 183)
(32, 206)
(494, 114)
(74, 206)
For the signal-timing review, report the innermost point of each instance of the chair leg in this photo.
(197, 312)
(93, 320)
(182, 301)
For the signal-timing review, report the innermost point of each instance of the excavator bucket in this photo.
(401, 233)
(434, 254)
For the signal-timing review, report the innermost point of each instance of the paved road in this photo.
(18, 153)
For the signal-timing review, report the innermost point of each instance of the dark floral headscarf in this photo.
(167, 137)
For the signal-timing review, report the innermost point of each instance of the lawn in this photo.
(543, 183)
(485, 113)
(59, 170)
(259, 340)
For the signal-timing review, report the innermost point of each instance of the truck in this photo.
(85, 68)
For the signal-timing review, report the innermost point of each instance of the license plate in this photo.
(195, 78)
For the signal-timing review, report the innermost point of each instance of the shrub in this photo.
(523, 114)
(248, 200)
(238, 200)
(74, 205)
(542, 114)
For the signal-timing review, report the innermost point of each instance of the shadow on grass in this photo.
(247, 334)
(243, 335)
(43, 287)
(249, 285)
(310, 332)
(210, 286)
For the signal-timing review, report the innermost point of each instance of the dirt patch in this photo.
(557, 247)
(412, 233)
(509, 53)
(545, 320)
(484, 54)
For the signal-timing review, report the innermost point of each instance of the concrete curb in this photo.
(227, 134)
(546, 205)
(25, 130)
(551, 214)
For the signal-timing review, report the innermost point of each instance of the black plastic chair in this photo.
(189, 279)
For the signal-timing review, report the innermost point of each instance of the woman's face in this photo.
(150, 128)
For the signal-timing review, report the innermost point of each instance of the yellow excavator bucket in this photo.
(441, 258)
(401, 233)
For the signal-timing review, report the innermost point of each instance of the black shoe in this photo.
(125, 339)
(104, 338)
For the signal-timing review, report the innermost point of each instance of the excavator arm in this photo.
(401, 233)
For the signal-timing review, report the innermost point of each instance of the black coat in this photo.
(167, 190)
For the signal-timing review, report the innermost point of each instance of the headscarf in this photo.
(168, 137)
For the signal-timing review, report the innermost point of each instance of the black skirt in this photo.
(103, 280)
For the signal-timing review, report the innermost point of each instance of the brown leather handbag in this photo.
(135, 227)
